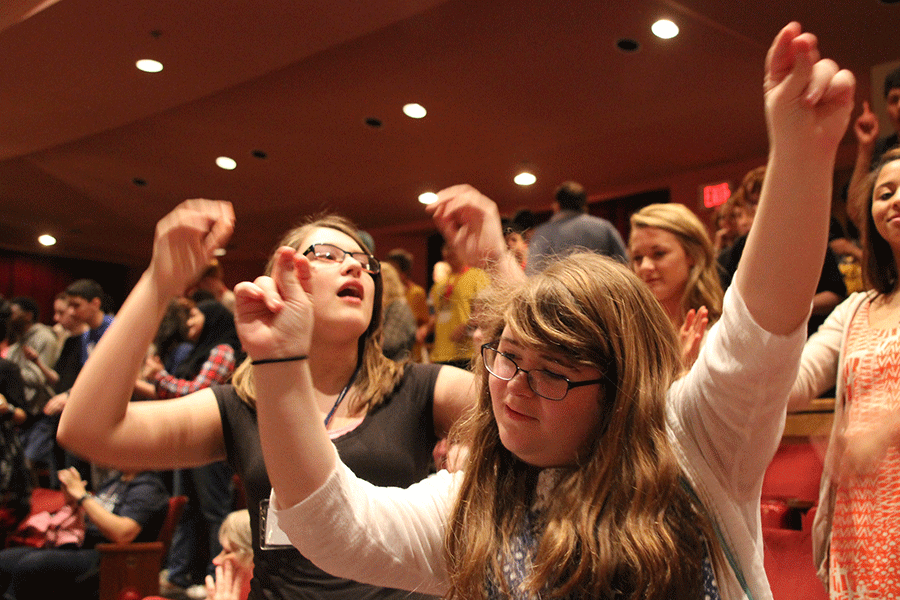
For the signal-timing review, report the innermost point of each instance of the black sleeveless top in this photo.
(391, 447)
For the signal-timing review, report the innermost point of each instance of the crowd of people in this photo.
(561, 415)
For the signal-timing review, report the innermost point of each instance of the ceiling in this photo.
(506, 84)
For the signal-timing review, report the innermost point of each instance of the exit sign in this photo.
(715, 194)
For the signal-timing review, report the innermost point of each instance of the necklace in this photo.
(340, 397)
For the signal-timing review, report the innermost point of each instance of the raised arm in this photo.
(274, 319)
(99, 422)
(808, 103)
(470, 222)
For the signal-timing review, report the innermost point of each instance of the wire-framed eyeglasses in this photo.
(331, 253)
(545, 384)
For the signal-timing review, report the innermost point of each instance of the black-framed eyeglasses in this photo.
(331, 253)
(543, 383)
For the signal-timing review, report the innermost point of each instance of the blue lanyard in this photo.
(340, 397)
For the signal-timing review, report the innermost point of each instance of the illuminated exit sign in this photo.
(715, 194)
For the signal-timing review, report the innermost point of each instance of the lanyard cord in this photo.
(340, 397)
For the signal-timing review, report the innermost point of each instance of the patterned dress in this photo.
(865, 539)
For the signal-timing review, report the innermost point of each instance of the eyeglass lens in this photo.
(332, 253)
(542, 383)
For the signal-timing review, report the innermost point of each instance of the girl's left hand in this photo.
(274, 314)
(808, 100)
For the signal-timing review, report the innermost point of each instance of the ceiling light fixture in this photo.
(664, 29)
(149, 66)
(47, 240)
(223, 162)
(525, 178)
(428, 198)
(414, 111)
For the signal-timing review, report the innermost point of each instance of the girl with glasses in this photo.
(384, 417)
(635, 485)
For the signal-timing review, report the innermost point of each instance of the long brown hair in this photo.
(378, 375)
(879, 266)
(619, 523)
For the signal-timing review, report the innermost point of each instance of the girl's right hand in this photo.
(274, 315)
(185, 241)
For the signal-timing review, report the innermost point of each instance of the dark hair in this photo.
(524, 219)
(879, 267)
(87, 289)
(173, 328)
(202, 296)
(891, 81)
(402, 259)
(570, 195)
(28, 305)
(218, 328)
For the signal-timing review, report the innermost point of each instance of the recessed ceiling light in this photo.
(664, 29)
(223, 162)
(149, 66)
(428, 198)
(525, 178)
(414, 111)
(46, 240)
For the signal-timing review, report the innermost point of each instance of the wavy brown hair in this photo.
(703, 287)
(378, 375)
(879, 266)
(618, 524)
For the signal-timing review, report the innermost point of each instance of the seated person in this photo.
(128, 507)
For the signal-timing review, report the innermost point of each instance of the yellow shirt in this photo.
(452, 299)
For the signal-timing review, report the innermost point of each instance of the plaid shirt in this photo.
(217, 369)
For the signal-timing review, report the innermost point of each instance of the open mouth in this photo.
(350, 291)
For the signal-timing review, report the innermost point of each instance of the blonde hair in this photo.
(703, 287)
(393, 286)
(236, 529)
(378, 375)
(620, 518)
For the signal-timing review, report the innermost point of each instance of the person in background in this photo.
(212, 360)
(15, 479)
(452, 299)
(870, 147)
(128, 507)
(672, 253)
(212, 281)
(35, 347)
(399, 321)
(234, 565)
(831, 289)
(571, 229)
(515, 242)
(415, 294)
